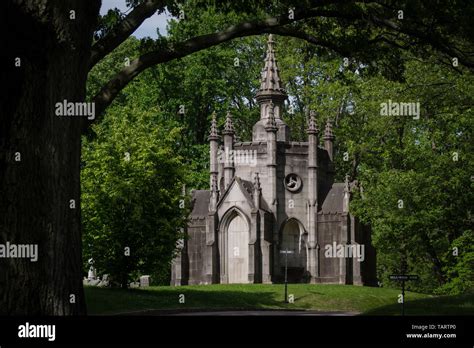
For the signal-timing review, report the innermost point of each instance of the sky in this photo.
(148, 27)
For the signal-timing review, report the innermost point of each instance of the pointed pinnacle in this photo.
(312, 124)
(256, 182)
(228, 127)
(328, 133)
(213, 134)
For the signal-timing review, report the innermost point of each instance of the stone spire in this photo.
(229, 126)
(228, 133)
(345, 205)
(270, 82)
(257, 191)
(213, 163)
(271, 91)
(213, 135)
(312, 125)
(312, 187)
(256, 182)
(329, 139)
(328, 133)
(214, 194)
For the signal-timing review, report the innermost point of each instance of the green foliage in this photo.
(389, 158)
(110, 65)
(459, 266)
(426, 163)
(107, 22)
(131, 190)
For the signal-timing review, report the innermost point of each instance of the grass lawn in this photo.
(366, 300)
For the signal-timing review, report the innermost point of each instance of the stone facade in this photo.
(271, 195)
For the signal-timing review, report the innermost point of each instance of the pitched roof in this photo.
(200, 201)
(245, 186)
(333, 202)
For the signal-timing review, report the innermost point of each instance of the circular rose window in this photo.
(293, 182)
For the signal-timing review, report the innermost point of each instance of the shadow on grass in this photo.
(102, 301)
(442, 305)
(113, 301)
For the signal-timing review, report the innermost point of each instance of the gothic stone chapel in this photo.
(273, 195)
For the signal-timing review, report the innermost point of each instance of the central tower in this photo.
(270, 195)
(271, 92)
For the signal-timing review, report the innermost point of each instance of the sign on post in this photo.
(286, 252)
(403, 278)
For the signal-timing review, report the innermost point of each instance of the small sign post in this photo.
(402, 278)
(286, 252)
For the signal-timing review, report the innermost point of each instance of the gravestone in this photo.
(91, 275)
(145, 281)
(105, 281)
(94, 282)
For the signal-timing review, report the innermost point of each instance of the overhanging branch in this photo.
(275, 25)
(123, 30)
(178, 50)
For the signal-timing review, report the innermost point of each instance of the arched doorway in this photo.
(238, 250)
(293, 238)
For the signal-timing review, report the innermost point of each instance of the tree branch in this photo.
(181, 49)
(432, 38)
(300, 34)
(274, 25)
(123, 30)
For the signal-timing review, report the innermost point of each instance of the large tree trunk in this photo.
(35, 192)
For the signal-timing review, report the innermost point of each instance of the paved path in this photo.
(231, 312)
(266, 313)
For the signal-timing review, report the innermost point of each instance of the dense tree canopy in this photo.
(133, 207)
(385, 156)
(350, 57)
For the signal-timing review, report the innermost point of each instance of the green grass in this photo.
(365, 300)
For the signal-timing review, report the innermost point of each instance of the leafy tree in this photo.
(459, 265)
(131, 188)
(382, 153)
(414, 172)
(387, 156)
(65, 40)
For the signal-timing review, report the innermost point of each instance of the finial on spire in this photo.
(214, 186)
(213, 135)
(312, 124)
(270, 82)
(345, 202)
(271, 124)
(256, 182)
(228, 127)
(328, 133)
